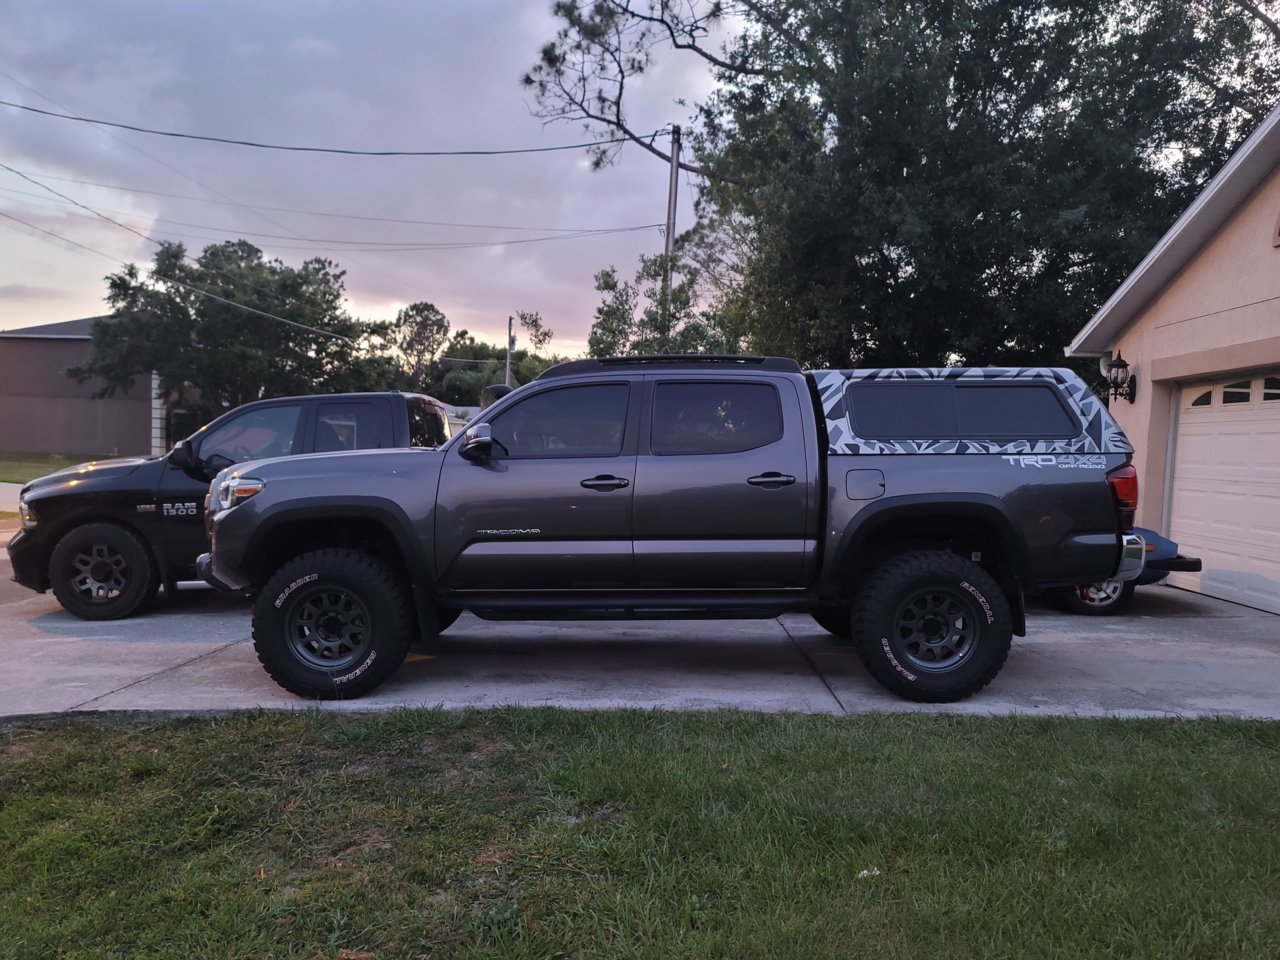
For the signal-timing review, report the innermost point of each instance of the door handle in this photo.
(772, 480)
(605, 482)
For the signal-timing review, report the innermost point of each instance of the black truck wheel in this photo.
(1100, 599)
(932, 626)
(834, 620)
(332, 624)
(100, 571)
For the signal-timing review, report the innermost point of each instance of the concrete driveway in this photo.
(1175, 653)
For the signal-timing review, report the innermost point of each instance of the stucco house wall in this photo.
(1219, 315)
(43, 411)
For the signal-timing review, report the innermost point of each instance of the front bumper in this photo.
(208, 571)
(1133, 555)
(30, 566)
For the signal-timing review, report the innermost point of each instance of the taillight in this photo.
(1124, 487)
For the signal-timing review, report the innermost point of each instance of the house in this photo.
(1198, 323)
(43, 411)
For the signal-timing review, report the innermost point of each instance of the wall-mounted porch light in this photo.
(1123, 384)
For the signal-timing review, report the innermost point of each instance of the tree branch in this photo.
(692, 44)
(1271, 25)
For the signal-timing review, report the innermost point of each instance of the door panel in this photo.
(552, 507)
(262, 431)
(723, 492)
(1225, 488)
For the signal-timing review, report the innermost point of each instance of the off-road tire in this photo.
(101, 571)
(837, 621)
(1103, 599)
(332, 624)
(932, 626)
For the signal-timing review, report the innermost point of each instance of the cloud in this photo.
(21, 292)
(371, 76)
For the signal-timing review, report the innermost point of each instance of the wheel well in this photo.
(64, 525)
(972, 537)
(296, 537)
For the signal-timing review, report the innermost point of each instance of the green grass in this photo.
(21, 467)
(523, 833)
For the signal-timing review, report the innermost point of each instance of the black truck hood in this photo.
(98, 471)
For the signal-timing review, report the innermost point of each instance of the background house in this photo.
(42, 411)
(1199, 323)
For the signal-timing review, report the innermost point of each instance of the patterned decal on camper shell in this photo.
(1101, 434)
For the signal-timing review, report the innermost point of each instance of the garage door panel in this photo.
(1225, 494)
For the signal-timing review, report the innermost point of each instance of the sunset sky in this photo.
(370, 76)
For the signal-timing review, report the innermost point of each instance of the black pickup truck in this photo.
(906, 510)
(105, 535)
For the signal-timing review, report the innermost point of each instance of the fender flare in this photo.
(984, 508)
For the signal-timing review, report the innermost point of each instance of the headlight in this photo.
(236, 490)
(28, 514)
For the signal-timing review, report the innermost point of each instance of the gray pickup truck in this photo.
(907, 510)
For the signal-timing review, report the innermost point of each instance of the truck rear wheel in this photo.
(1102, 599)
(932, 626)
(100, 571)
(332, 624)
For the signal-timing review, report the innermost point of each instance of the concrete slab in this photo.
(1176, 653)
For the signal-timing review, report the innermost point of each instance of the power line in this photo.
(179, 283)
(334, 150)
(315, 213)
(375, 246)
(182, 173)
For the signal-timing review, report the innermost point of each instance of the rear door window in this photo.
(693, 418)
(352, 425)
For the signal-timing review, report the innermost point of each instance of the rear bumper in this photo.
(1133, 555)
(1179, 563)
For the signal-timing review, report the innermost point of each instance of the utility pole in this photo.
(671, 233)
(671, 189)
(511, 344)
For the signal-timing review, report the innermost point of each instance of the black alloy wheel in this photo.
(100, 571)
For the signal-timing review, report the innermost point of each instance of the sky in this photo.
(374, 75)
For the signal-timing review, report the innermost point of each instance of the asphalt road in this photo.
(1174, 653)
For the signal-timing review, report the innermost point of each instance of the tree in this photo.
(467, 365)
(418, 334)
(652, 316)
(930, 181)
(231, 327)
(539, 335)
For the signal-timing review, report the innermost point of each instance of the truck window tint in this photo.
(997, 412)
(426, 425)
(264, 432)
(352, 425)
(924, 410)
(585, 421)
(695, 418)
(902, 410)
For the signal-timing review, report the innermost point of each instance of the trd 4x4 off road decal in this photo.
(1099, 433)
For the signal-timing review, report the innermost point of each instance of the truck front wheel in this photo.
(932, 626)
(332, 624)
(100, 571)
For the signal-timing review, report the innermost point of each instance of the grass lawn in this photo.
(21, 467)
(540, 833)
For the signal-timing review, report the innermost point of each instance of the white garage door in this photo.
(1225, 507)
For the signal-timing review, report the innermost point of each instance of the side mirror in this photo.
(182, 455)
(477, 443)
